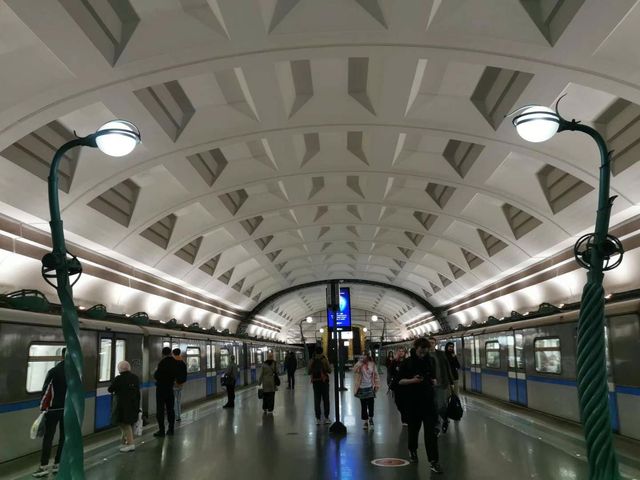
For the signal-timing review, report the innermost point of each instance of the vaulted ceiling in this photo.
(292, 141)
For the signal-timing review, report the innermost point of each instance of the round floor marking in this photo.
(390, 462)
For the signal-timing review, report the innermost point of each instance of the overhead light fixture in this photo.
(536, 123)
(117, 138)
(365, 330)
(309, 319)
(374, 318)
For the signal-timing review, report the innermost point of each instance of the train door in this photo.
(517, 373)
(112, 349)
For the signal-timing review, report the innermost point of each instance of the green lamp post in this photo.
(304, 341)
(597, 252)
(116, 138)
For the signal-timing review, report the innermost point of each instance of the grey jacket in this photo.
(441, 366)
(266, 377)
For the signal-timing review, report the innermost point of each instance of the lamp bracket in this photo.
(54, 261)
(612, 251)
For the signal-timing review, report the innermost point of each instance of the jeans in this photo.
(52, 419)
(399, 399)
(321, 392)
(291, 378)
(366, 408)
(177, 395)
(268, 400)
(165, 402)
(429, 420)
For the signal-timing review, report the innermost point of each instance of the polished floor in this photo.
(491, 441)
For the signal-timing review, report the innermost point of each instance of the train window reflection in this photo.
(492, 353)
(548, 357)
(121, 351)
(104, 360)
(224, 358)
(193, 359)
(42, 357)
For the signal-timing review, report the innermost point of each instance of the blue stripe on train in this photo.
(27, 404)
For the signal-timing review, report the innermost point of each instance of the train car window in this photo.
(121, 351)
(224, 358)
(492, 354)
(548, 356)
(42, 358)
(166, 344)
(516, 351)
(104, 360)
(252, 355)
(211, 357)
(193, 359)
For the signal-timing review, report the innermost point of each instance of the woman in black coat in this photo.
(450, 352)
(126, 403)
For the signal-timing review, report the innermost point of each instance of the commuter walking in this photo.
(181, 379)
(165, 376)
(367, 383)
(416, 380)
(230, 375)
(54, 391)
(126, 404)
(291, 365)
(454, 364)
(444, 381)
(267, 380)
(394, 374)
(319, 370)
(389, 364)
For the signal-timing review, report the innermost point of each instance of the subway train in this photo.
(31, 343)
(532, 362)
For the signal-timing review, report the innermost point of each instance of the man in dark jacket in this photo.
(54, 392)
(319, 369)
(165, 376)
(444, 381)
(291, 365)
(181, 379)
(417, 378)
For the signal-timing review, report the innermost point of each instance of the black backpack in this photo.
(317, 372)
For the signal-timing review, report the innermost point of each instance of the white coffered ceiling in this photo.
(292, 141)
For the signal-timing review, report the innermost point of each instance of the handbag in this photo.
(454, 408)
(37, 429)
(276, 379)
(137, 427)
(260, 393)
(364, 393)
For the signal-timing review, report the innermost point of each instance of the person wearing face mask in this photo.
(417, 378)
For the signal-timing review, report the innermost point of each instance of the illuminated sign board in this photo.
(343, 315)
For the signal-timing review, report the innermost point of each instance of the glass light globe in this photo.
(322, 330)
(537, 124)
(365, 329)
(309, 319)
(118, 143)
(374, 318)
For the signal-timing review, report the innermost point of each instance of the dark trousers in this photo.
(366, 408)
(268, 400)
(291, 378)
(397, 396)
(429, 421)
(164, 401)
(231, 394)
(321, 392)
(51, 421)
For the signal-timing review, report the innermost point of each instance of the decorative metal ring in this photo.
(51, 262)
(612, 254)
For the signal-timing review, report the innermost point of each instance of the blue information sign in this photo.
(343, 317)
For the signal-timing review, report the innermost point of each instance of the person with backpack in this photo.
(181, 379)
(230, 375)
(54, 391)
(319, 369)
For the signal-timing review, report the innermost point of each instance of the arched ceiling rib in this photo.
(321, 139)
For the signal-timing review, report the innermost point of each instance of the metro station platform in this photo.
(493, 440)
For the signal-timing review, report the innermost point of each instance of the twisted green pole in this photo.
(593, 389)
(72, 461)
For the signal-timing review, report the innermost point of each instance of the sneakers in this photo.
(327, 421)
(318, 422)
(159, 434)
(42, 471)
(371, 422)
(405, 424)
(178, 419)
(55, 468)
(128, 448)
(366, 425)
(435, 467)
(413, 457)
